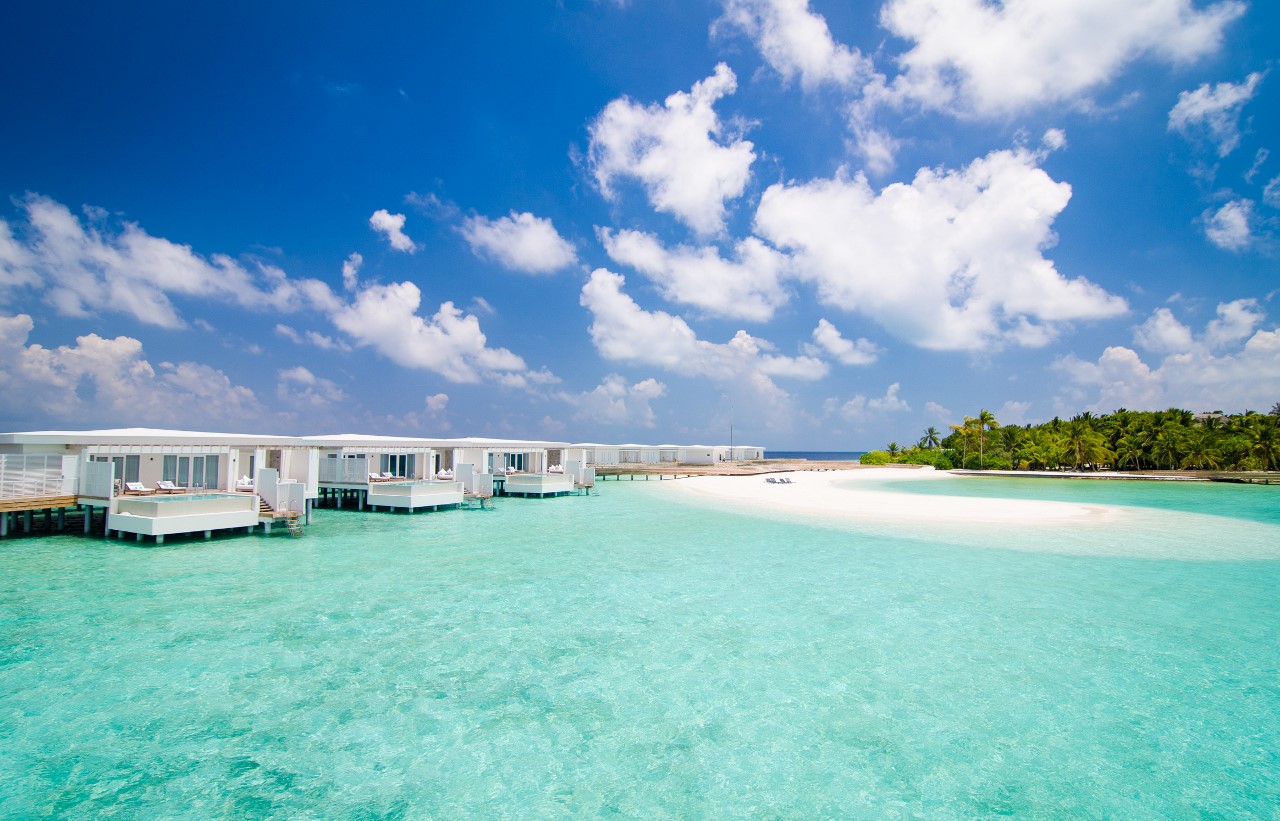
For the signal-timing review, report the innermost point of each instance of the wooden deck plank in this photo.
(37, 503)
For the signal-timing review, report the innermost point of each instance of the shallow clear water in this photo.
(637, 654)
(1259, 503)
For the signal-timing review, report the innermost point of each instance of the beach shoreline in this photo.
(835, 495)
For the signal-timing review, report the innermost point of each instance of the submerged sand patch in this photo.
(858, 499)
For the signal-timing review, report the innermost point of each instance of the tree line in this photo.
(1172, 439)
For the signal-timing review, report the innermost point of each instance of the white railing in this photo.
(345, 471)
(291, 496)
(582, 474)
(281, 495)
(24, 476)
(266, 483)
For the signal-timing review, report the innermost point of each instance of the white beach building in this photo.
(389, 472)
(611, 455)
(109, 471)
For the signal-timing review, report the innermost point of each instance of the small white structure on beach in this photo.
(632, 454)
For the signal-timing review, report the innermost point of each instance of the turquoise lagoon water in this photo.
(1259, 503)
(643, 655)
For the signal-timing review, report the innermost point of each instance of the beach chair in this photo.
(165, 486)
(137, 489)
(245, 485)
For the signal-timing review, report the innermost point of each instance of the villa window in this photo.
(126, 467)
(191, 471)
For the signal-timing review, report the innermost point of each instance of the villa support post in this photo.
(88, 518)
(208, 534)
(307, 507)
(26, 521)
(160, 539)
(137, 537)
(48, 518)
(106, 522)
(62, 518)
(4, 524)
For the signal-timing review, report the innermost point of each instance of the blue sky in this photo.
(830, 225)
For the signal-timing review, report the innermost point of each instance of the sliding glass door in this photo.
(191, 471)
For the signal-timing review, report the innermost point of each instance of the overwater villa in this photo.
(147, 482)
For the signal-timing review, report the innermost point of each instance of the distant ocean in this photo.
(816, 455)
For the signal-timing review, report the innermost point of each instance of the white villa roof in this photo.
(161, 437)
(145, 436)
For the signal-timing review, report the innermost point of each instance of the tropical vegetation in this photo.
(1172, 439)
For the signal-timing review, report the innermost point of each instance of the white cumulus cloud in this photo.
(1230, 227)
(1214, 111)
(299, 387)
(796, 42)
(100, 381)
(615, 402)
(623, 331)
(392, 227)
(746, 288)
(521, 242)
(1163, 333)
(994, 59)
(449, 343)
(953, 260)
(97, 265)
(860, 408)
(673, 150)
(351, 271)
(1232, 365)
(827, 338)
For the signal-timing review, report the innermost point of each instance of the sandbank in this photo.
(836, 494)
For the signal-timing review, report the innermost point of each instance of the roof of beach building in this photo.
(144, 436)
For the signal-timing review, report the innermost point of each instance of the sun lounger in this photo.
(137, 489)
(166, 486)
(245, 485)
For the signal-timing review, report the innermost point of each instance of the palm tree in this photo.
(1084, 445)
(1129, 451)
(894, 449)
(931, 438)
(986, 421)
(1201, 452)
(1275, 410)
(1264, 442)
(1167, 445)
(964, 430)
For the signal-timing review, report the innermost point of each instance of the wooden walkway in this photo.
(37, 503)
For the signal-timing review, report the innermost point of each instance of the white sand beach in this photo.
(836, 494)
